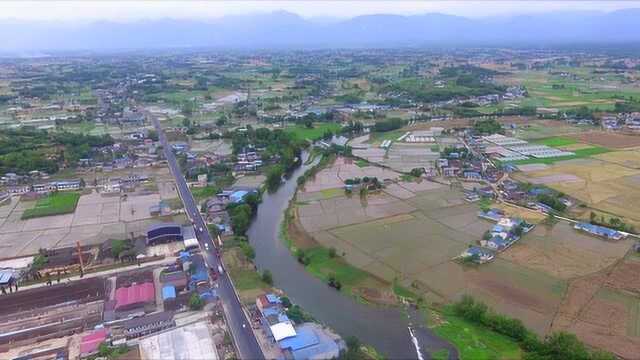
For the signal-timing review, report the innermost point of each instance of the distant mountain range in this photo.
(287, 30)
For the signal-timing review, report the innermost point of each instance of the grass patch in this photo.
(475, 342)
(362, 163)
(245, 279)
(175, 203)
(331, 193)
(200, 193)
(402, 291)
(315, 133)
(579, 154)
(408, 178)
(321, 265)
(378, 137)
(556, 141)
(54, 204)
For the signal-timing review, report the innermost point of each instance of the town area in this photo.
(356, 204)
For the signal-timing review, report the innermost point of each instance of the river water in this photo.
(385, 328)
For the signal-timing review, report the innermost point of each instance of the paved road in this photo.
(238, 323)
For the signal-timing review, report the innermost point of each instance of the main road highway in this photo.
(238, 322)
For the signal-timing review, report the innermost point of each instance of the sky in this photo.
(129, 10)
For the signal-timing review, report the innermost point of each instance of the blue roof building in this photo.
(600, 231)
(168, 292)
(238, 196)
(311, 342)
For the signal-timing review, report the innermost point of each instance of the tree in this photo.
(248, 250)
(332, 252)
(285, 302)
(195, 302)
(267, 278)
(274, 177)
(117, 247)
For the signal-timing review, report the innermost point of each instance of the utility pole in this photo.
(80, 259)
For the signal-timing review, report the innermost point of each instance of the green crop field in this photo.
(557, 141)
(54, 204)
(315, 133)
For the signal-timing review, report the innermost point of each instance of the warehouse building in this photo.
(164, 232)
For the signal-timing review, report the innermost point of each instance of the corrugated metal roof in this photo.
(135, 294)
(5, 276)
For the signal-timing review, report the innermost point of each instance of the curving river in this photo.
(385, 328)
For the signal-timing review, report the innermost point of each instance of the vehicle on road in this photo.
(206, 246)
(220, 270)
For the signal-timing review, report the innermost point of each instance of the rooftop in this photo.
(134, 294)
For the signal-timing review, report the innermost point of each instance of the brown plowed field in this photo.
(609, 140)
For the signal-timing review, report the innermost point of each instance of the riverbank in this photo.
(385, 328)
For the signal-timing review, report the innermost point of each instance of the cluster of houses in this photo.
(45, 187)
(625, 121)
(506, 232)
(459, 164)
(247, 160)
(216, 207)
(295, 341)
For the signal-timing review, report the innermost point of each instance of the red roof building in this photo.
(134, 296)
(89, 344)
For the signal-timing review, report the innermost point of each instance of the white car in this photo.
(200, 229)
(206, 246)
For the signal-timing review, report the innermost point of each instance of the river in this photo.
(385, 328)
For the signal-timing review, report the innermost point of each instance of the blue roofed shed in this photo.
(168, 292)
(238, 196)
(310, 343)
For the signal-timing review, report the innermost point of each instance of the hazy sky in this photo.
(125, 10)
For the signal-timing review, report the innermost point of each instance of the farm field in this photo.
(54, 204)
(603, 309)
(408, 234)
(342, 169)
(602, 185)
(533, 129)
(562, 252)
(96, 218)
(609, 140)
(577, 88)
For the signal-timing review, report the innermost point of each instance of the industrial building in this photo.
(164, 232)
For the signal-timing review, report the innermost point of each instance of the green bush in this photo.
(195, 302)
